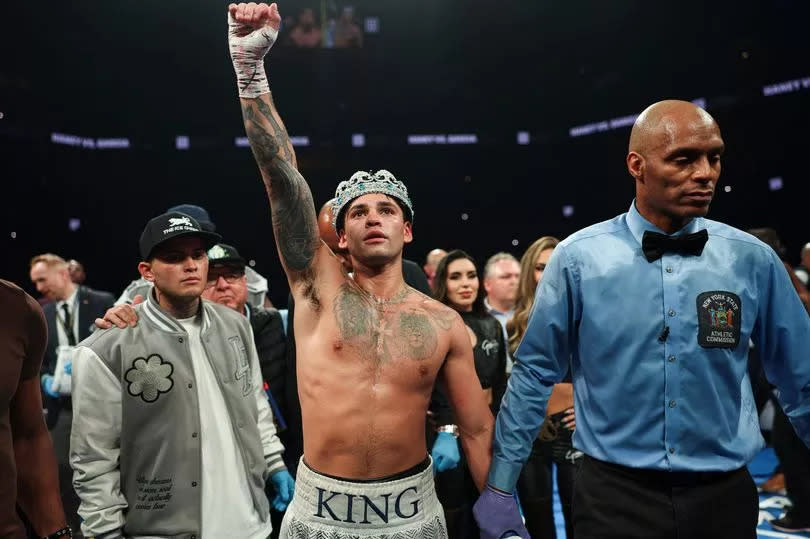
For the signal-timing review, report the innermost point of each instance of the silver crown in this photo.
(362, 183)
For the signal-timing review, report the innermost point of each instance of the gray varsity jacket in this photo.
(134, 445)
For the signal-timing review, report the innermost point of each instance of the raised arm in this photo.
(252, 30)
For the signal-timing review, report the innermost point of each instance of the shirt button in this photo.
(672, 404)
(193, 434)
(193, 537)
(193, 483)
(669, 269)
(189, 385)
(671, 450)
(671, 312)
(179, 339)
(671, 359)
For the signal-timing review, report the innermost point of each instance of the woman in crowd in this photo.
(456, 284)
(553, 443)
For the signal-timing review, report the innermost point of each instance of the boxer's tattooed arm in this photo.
(286, 148)
(294, 220)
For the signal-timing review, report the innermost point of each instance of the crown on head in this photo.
(362, 183)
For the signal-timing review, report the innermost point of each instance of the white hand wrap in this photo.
(248, 47)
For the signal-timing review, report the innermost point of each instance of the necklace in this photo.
(397, 298)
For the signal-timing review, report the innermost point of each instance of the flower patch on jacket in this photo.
(150, 377)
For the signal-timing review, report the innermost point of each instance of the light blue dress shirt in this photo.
(647, 397)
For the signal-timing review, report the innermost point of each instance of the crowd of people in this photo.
(338, 31)
(395, 401)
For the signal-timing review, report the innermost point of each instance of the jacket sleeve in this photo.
(273, 449)
(95, 445)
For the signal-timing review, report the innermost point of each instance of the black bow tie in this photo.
(655, 245)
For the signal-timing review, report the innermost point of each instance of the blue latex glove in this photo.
(498, 515)
(445, 452)
(69, 367)
(284, 485)
(46, 381)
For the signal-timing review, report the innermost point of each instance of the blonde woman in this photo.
(553, 444)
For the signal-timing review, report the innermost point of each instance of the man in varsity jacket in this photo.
(172, 433)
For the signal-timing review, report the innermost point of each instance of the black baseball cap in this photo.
(171, 225)
(197, 212)
(222, 254)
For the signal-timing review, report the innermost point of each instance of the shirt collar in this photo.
(71, 299)
(638, 224)
(165, 321)
(492, 310)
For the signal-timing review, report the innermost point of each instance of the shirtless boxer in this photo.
(369, 348)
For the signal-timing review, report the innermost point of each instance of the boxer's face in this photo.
(462, 284)
(179, 267)
(679, 172)
(374, 229)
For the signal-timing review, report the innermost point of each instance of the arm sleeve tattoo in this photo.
(294, 219)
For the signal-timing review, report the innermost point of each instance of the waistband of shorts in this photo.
(414, 470)
(324, 500)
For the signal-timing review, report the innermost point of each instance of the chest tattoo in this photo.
(385, 332)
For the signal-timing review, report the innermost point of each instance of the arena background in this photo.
(494, 91)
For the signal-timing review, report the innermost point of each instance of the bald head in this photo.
(325, 228)
(659, 124)
(674, 157)
(329, 235)
(435, 256)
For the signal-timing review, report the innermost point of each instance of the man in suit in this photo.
(69, 314)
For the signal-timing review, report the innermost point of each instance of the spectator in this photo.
(76, 270)
(347, 34)
(306, 34)
(501, 276)
(432, 262)
(226, 284)
(69, 316)
(256, 284)
(185, 423)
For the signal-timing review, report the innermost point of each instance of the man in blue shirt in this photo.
(653, 311)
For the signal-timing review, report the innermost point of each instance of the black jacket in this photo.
(92, 304)
(271, 345)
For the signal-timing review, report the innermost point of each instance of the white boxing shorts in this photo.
(332, 508)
